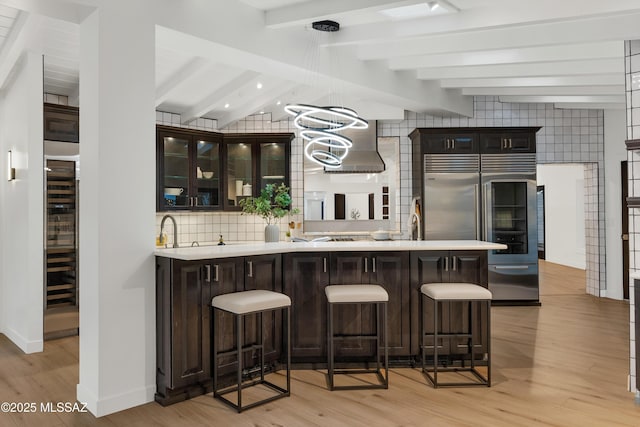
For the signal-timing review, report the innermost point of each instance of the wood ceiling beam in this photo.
(556, 90)
(599, 80)
(253, 105)
(584, 51)
(171, 85)
(537, 69)
(565, 99)
(217, 97)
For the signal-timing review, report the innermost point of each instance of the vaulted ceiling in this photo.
(388, 57)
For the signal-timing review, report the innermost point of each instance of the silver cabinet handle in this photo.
(373, 260)
(207, 268)
(447, 143)
(446, 263)
(215, 274)
(195, 201)
(250, 268)
(324, 264)
(453, 144)
(366, 265)
(510, 143)
(454, 261)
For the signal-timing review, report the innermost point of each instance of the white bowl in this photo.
(381, 235)
(207, 175)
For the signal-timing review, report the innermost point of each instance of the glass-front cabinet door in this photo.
(188, 170)
(274, 163)
(208, 179)
(239, 167)
(176, 171)
(509, 223)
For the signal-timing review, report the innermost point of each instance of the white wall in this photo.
(614, 153)
(21, 207)
(117, 208)
(564, 213)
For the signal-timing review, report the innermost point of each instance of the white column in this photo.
(117, 208)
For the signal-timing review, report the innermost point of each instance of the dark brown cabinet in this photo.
(511, 141)
(447, 267)
(450, 143)
(305, 277)
(188, 168)
(182, 332)
(388, 269)
(61, 123)
(253, 161)
(198, 170)
(471, 141)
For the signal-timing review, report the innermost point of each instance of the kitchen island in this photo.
(187, 279)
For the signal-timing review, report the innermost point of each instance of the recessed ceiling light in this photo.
(226, 105)
(278, 103)
(259, 85)
(261, 112)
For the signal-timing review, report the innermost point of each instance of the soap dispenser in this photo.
(221, 241)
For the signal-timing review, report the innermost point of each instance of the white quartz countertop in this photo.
(259, 248)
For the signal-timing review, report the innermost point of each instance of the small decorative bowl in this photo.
(207, 175)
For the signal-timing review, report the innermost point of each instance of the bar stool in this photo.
(358, 294)
(447, 292)
(241, 304)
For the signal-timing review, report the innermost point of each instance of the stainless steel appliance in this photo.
(509, 217)
(451, 197)
(488, 197)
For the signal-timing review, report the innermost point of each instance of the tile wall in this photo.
(591, 219)
(632, 86)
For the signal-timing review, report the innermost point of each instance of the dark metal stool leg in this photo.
(240, 356)
(385, 320)
(435, 343)
(330, 344)
(213, 356)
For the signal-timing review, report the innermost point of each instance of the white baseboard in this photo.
(109, 405)
(28, 346)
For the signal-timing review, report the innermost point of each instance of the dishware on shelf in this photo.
(173, 191)
(207, 175)
(199, 172)
(247, 190)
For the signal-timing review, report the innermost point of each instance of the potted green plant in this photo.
(273, 203)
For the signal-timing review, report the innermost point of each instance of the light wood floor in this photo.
(562, 364)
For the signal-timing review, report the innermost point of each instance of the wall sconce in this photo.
(11, 171)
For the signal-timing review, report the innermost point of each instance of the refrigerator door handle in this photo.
(511, 267)
(484, 211)
(476, 191)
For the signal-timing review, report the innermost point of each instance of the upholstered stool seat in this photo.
(241, 304)
(456, 292)
(359, 294)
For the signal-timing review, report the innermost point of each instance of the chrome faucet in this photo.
(175, 229)
(415, 218)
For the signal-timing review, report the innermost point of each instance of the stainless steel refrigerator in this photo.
(488, 197)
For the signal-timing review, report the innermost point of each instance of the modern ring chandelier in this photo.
(318, 124)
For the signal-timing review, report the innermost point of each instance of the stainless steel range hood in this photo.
(363, 157)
